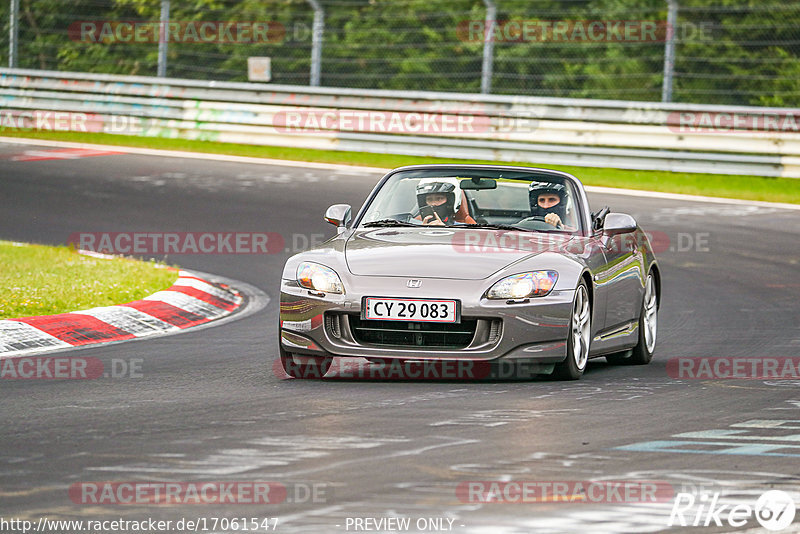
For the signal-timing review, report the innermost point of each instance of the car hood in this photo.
(442, 252)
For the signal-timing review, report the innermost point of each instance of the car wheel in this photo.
(312, 367)
(642, 353)
(579, 338)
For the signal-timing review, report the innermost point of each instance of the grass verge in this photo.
(715, 185)
(44, 280)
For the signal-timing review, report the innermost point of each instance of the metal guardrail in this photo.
(581, 132)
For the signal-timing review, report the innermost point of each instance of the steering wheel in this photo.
(541, 223)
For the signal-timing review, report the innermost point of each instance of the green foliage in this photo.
(727, 51)
(44, 280)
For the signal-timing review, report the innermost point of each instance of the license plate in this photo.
(417, 310)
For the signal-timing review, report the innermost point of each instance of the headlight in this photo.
(520, 286)
(319, 278)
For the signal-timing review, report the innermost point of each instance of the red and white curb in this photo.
(191, 301)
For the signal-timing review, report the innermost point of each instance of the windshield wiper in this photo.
(388, 222)
(501, 227)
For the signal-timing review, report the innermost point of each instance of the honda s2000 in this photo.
(473, 263)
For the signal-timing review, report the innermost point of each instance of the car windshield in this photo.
(490, 198)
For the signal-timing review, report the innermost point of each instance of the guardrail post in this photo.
(669, 51)
(317, 31)
(13, 25)
(488, 46)
(163, 37)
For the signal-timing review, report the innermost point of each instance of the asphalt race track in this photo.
(209, 406)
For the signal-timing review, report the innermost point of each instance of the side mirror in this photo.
(339, 215)
(618, 223)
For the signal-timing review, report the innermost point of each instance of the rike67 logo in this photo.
(774, 510)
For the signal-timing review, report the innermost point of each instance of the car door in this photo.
(621, 280)
(591, 252)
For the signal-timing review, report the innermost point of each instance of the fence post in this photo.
(13, 25)
(488, 46)
(163, 37)
(317, 31)
(669, 51)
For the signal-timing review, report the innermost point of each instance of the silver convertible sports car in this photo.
(473, 266)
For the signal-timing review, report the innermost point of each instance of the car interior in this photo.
(507, 203)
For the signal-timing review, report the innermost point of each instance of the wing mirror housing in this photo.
(339, 215)
(618, 223)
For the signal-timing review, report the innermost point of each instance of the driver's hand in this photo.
(553, 219)
(433, 220)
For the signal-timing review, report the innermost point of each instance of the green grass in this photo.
(44, 280)
(743, 187)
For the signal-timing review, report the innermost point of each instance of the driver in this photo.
(443, 197)
(548, 200)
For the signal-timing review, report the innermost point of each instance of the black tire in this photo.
(315, 368)
(574, 365)
(642, 353)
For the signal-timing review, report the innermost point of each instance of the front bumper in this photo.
(534, 330)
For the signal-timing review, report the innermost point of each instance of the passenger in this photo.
(445, 200)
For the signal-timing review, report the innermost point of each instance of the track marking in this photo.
(195, 155)
(65, 153)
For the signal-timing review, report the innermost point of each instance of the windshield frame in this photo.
(581, 201)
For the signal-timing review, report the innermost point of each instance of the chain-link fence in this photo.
(725, 52)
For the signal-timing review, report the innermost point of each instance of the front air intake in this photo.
(495, 330)
(333, 325)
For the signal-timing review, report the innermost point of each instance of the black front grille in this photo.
(410, 334)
